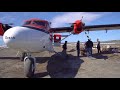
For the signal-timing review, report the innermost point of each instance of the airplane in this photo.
(36, 36)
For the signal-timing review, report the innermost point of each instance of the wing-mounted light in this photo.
(78, 27)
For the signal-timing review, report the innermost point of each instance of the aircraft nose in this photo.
(10, 37)
(9, 40)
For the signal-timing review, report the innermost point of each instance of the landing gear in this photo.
(29, 66)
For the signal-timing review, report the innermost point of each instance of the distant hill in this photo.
(111, 41)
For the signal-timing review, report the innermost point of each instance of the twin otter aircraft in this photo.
(36, 36)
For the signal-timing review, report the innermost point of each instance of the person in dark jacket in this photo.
(98, 46)
(64, 48)
(89, 45)
(78, 48)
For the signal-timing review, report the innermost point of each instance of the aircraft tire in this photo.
(29, 67)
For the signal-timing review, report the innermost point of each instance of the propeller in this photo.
(72, 24)
(75, 23)
(82, 18)
(82, 21)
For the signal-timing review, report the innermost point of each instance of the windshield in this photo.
(35, 23)
(27, 22)
(39, 23)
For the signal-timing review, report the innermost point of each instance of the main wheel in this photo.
(29, 67)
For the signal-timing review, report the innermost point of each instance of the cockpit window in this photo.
(39, 23)
(27, 22)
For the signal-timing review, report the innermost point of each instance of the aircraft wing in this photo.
(61, 29)
(86, 28)
(102, 27)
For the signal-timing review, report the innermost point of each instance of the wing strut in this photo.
(66, 37)
(87, 35)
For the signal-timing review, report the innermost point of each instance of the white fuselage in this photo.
(27, 40)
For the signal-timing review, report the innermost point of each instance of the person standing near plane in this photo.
(89, 45)
(98, 46)
(64, 48)
(78, 48)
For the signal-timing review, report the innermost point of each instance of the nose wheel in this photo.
(29, 66)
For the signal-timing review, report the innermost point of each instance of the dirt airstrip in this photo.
(51, 65)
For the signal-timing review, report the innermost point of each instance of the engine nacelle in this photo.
(78, 27)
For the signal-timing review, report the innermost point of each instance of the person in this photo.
(64, 48)
(78, 48)
(98, 46)
(89, 45)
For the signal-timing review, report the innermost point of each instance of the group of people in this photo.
(88, 47)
